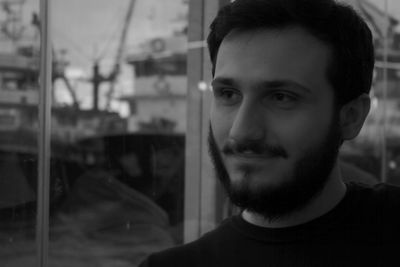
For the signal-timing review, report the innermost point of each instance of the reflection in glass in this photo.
(118, 130)
(19, 73)
(375, 150)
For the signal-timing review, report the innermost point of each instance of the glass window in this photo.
(129, 172)
(373, 156)
(118, 130)
(19, 74)
(118, 126)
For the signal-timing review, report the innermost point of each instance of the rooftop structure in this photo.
(159, 101)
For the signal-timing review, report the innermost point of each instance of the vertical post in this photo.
(209, 183)
(200, 183)
(194, 123)
(385, 90)
(43, 198)
(97, 79)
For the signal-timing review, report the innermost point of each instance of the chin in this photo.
(273, 194)
(260, 178)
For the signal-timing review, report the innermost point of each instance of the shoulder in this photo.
(378, 192)
(197, 253)
(388, 196)
(380, 200)
(385, 194)
(184, 255)
(388, 211)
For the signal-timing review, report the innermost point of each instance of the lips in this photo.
(249, 163)
(251, 157)
(252, 150)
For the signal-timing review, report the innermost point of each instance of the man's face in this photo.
(274, 132)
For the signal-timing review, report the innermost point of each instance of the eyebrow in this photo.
(263, 84)
(223, 81)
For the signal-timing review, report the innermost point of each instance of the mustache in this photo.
(232, 147)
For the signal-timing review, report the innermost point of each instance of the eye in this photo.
(283, 99)
(227, 96)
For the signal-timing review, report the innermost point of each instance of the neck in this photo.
(327, 199)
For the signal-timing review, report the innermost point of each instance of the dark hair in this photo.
(336, 24)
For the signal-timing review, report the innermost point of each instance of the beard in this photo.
(309, 176)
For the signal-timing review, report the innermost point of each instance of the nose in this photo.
(248, 124)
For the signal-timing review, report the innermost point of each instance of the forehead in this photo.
(274, 54)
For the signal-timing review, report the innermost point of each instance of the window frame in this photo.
(202, 191)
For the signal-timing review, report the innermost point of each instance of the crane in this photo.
(58, 67)
(112, 77)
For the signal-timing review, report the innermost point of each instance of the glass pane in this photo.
(374, 156)
(361, 157)
(118, 130)
(19, 74)
(387, 91)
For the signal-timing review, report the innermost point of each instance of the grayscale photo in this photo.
(199, 133)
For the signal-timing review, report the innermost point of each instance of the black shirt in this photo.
(362, 230)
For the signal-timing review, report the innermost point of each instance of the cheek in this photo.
(302, 132)
(221, 124)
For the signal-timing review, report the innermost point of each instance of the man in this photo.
(291, 80)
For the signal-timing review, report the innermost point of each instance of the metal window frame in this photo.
(201, 187)
(44, 131)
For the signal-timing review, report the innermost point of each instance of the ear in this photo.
(353, 115)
